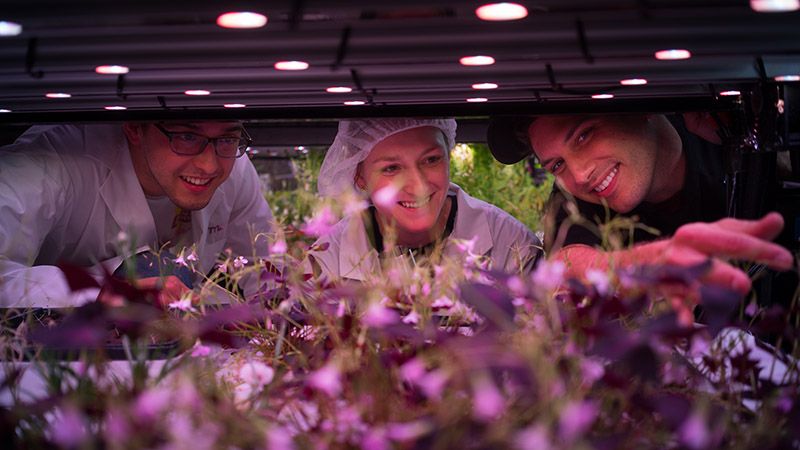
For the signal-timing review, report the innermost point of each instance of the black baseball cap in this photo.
(507, 138)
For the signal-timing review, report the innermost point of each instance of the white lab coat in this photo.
(494, 233)
(66, 193)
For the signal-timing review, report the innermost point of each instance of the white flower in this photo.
(599, 279)
(184, 304)
(256, 373)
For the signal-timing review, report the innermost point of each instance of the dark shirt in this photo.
(701, 199)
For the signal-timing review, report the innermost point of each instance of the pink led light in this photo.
(602, 96)
(501, 11)
(241, 20)
(234, 105)
(787, 78)
(57, 95)
(197, 92)
(477, 100)
(673, 54)
(484, 86)
(115, 108)
(769, 6)
(3, 110)
(112, 70)
(291, 65)
(633, 82)
(353, 103)
(339, 89)
(477, 60)
(730, 93)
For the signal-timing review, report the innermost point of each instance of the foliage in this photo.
(435, 353)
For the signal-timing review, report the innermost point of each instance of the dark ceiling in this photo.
(399, 57)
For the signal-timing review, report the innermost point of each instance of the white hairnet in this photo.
(356, 138)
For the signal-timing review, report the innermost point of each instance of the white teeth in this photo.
(196, 181)
(415, 204)
(602, 187)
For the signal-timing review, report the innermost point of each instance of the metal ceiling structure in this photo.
(399, 58)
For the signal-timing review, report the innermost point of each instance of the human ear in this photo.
(358, 179)
(133, 131)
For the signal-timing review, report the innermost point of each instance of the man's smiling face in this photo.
(595, 158)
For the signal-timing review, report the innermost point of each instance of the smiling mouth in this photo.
(607, 181)
(415, 205)
(196, 181)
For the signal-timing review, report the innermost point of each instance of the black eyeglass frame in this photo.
(241, 150)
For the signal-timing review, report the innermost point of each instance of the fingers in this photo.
(728, 240)
(767, 227)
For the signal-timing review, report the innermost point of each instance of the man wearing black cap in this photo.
(638, 165)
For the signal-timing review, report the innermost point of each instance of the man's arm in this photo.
(692, 244)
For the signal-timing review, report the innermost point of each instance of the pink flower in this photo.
(239, 262)
(181, 261)
(487, 401)
(321, 223)
(548, 275)
(411, 318)
(222, 267)
(279, 247)
(591, 370)
(375, 439)
(199, 350)
(408, 431)
(150, 404)
(534, 437)
(599, 279)
(385, 196)
(413, 370)
(327, 379)
(377, 316)
(442, 302)
(433, 383)
(192, 257)
(576, 418)
(279, 439)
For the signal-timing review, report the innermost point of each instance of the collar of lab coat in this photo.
(121, 189)
(358, 259)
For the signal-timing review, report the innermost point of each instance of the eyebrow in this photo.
(571, 131)
(232, 129)
(392, 158)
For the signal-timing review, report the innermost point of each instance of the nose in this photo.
(415, 183)
(207, 160)
(583, 172)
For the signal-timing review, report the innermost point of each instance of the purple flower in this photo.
(413, 370)
(375, 439)
(591, 370)
(411, 318)
(600, 280)
(68, 429)
(279, 439)
(199, 350)
(576, 418)
(694, 432)
(442, 302)
(432, 384)
(408, 431)
(150, 404)
(181, 261)
(487, 401)
(239, 262)
(222, 267)
(192, 257)
(548, 275)
(327, 379)
(279, 247)
(117, 428)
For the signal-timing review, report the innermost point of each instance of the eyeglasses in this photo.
(186, 143)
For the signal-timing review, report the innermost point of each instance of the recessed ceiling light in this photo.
(4, 110)
(477, 99)
(197, 92)
(291, 65)
(57, 95)
(353, 103)
(787, 78)
(339, 89)
(478, 60)
(484, 86)
(730, 93)
(774, 5)
(234, 105)
(241, 20)
(633, 82)
(115, 108)
(501, 11)
(603, 96)
(112, 70)
(674, 53)
(9, 28)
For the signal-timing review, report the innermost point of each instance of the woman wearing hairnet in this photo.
(401, 166)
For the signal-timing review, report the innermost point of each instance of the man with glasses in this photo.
(166, 197)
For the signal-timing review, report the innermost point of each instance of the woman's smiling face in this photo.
(407, 176)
